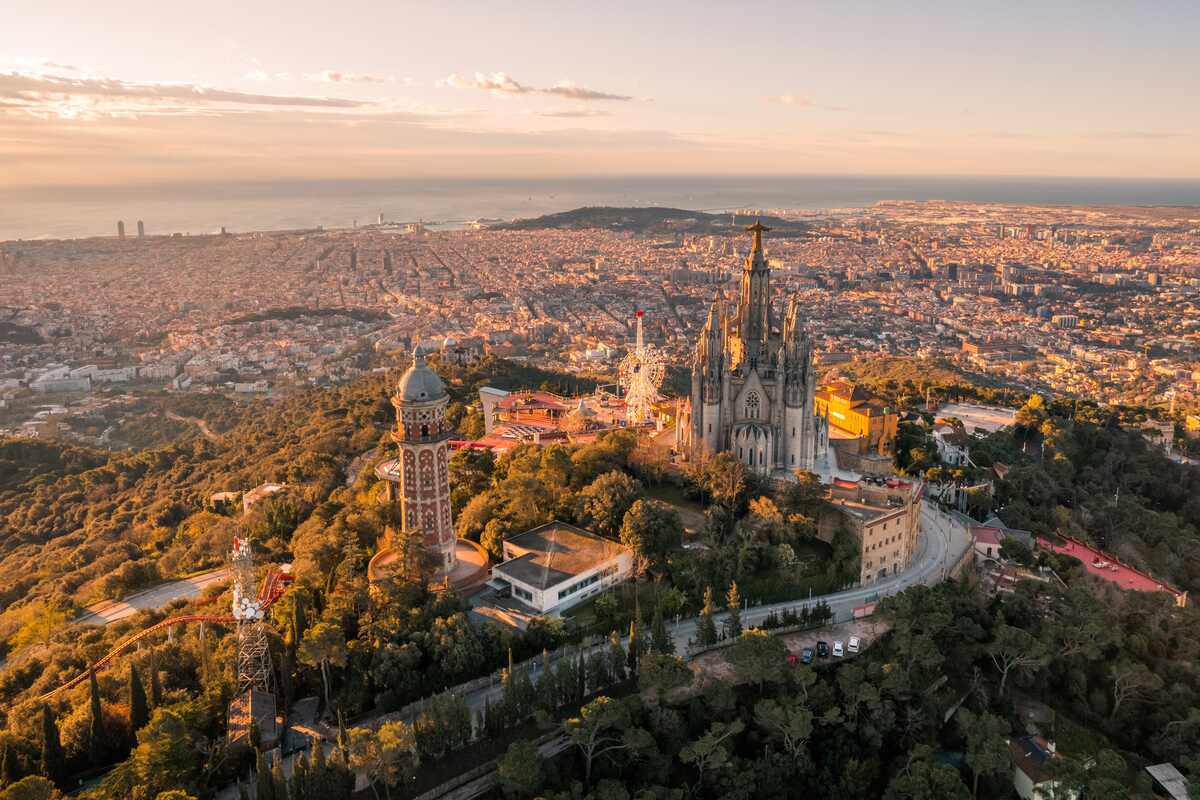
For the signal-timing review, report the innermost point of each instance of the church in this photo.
(753, 382)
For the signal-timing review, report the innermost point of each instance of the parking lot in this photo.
(715, 666)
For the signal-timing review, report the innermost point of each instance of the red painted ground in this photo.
(1104, 567)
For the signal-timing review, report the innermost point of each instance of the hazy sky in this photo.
(122, 92)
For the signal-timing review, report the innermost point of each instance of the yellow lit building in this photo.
(852, 411)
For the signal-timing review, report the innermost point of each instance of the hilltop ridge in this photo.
(651, 219)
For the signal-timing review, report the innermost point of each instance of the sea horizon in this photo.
(204, 208)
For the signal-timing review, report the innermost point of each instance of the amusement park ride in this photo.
(641, 374)
(254, 670)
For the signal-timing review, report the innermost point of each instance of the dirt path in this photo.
(199, 423)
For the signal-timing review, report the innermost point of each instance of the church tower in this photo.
(754, 303)
(422, 471)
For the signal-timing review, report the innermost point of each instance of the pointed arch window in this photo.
(752, 405)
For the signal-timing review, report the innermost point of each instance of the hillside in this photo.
(650, 220)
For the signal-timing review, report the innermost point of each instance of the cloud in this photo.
(501, 83)
(95, 97)
(572, 113)
(333, 76)
(1136, 135)
(788, 100)
(496, 83)
(798, 101)
(573, 92)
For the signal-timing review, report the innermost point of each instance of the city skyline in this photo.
(136, 94)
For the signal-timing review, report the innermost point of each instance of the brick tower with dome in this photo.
(419, 478)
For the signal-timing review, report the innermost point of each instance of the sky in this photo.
(129, 93)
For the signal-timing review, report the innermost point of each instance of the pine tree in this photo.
(95, 721)
(733, 600)
(660, 637)
(706, 630)
(264, 787)
(139, 712)
(52, 753)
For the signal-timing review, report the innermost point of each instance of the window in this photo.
(710, 427)
(575, 587)
(522, 593)
(752, 405)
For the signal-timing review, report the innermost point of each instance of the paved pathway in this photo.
(107, 612)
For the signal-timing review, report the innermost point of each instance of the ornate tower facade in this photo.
(754, 302)
(421, 481)
(753, 381)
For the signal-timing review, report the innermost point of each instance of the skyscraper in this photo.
(120, 229)
(141, 229)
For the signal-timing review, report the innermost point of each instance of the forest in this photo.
(924, 712)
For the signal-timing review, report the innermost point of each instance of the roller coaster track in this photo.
(272, 587)
(130, 641)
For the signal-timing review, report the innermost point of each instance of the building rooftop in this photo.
(1171, 780)
(555, 552)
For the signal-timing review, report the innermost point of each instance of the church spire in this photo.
(754, 325)
(757, 229)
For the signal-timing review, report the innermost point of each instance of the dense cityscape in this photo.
(1099, 303)
(574, 402)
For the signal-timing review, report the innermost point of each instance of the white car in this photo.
(852, 645)
(838, 650)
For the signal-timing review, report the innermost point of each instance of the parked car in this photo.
(838, 649)
(852, 645)
(806, 655)
(791, 659)
(822, 650)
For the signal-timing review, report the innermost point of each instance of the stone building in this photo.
(753, 382)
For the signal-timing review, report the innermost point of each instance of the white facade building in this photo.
(556, 566)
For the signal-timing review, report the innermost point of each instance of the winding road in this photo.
(107, 612)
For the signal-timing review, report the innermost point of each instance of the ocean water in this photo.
(204, 208)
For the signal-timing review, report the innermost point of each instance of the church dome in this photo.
(420, 383)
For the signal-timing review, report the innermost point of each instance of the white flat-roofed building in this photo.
(555, 566)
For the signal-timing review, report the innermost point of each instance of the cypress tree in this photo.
(733, 600)
(279, 783)
(264, 787)
(8, 767)
(139, 712)
(96, 721)
(285, 678)
(52, 753)
(155, 684)
(631, 655)
(343, 777)
(343, 738)
(321, 785)
(706, 630)
(660, 637)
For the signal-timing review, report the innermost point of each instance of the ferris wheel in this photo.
(641, 374)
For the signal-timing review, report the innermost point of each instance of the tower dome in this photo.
(420, 383)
